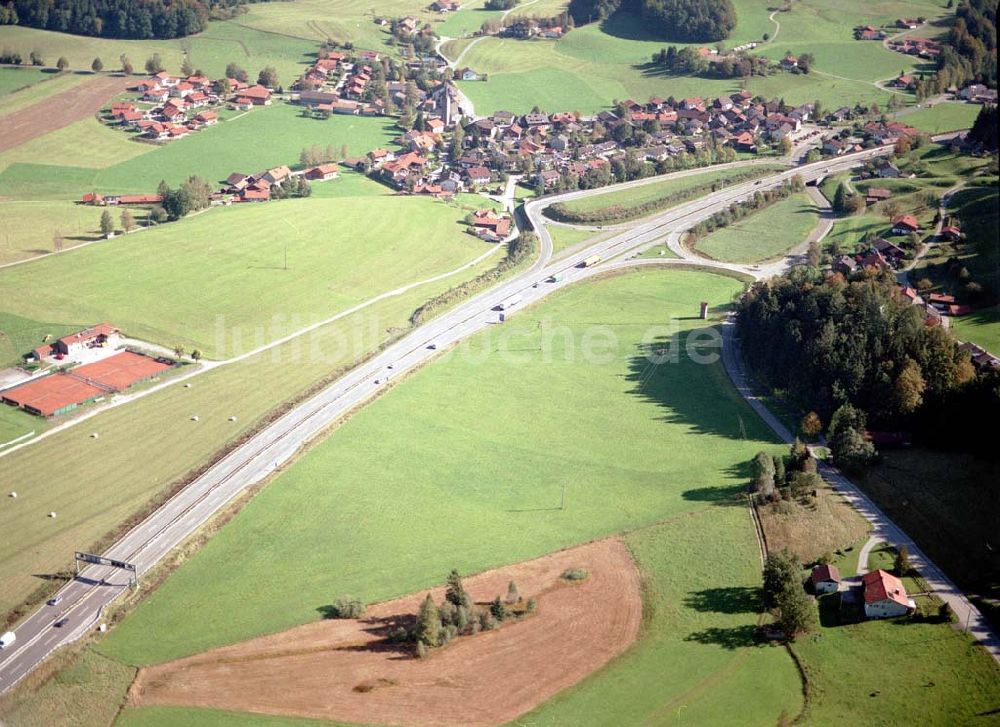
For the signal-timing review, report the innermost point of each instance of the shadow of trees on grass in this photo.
(730, 599)
(737, 637)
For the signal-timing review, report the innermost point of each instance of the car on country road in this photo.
(61, 622)
(55, 601)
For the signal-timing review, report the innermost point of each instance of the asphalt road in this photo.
(84, 598)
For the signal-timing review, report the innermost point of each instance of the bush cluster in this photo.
(457, 615)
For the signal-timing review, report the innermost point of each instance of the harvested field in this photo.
(343, 670)
(60, 110)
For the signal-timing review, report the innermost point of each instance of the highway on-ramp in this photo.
(83, 599)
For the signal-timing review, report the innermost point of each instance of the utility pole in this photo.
(562, 503)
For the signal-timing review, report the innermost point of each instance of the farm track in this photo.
(61, 110)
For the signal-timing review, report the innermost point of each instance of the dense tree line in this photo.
(118, 18)
(500, 4)
(984, 130)
(969, 52)
(686, 21)
(859, 355)
(620, 213)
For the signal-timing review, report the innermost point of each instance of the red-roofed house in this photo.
(825, 579)
(100, 335)
(323, 172)
(905, 224)
(258, 95)
(885, 596)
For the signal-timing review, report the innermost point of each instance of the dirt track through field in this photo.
(60, 110)
(343, 670)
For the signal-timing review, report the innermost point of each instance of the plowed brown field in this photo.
(343, 669)
(60, 110)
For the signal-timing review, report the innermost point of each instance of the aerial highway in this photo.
(82, 600)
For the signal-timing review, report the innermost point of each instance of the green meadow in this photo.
(222, 43)
(151, 444)
(30, 227)
(763, 235)
(942, 117)
(111, 161)
(597, 63)
(675, 450)
(180, 281)
(19, 79)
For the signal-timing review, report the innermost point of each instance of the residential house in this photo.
(99, 336)
(885, 596)
(323, 172)
(905, 224)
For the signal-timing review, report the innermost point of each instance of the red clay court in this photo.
(120, 371)
(62, 392)
(52, 395)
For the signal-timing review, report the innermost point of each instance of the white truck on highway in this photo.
(508, 303)
(7, 639)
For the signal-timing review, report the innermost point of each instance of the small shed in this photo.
(825, 579)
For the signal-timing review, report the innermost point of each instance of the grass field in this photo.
(598, 62)
(52, 168)
(86, 692)
(15, 423)
(942, 117)
(943, 676)
(418, 443)
(222, 43)
(151, 443)
(763, 235)
(635, 196)
(19, 79)
(340, 251)
(564, 238)
(29, 227)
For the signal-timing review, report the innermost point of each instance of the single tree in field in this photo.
(107, 224)
(902, 561)
(798, 615)
(235, 72)
(268, 77)
(36, 58)
(125, 64)
(57, 240)
(763, 474)
(179, 351)
(187, 68)
(343, 151)
(62, 64)
(780, 569)
(196, 355)
(786, 145)
(154, 64)
(813, 255)
(455, 591)
(97, 66)
(198, 192)
(497, 609)
(428, 622)
(891, 209)
(512, 594)
(811, 424)
(127, 220)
